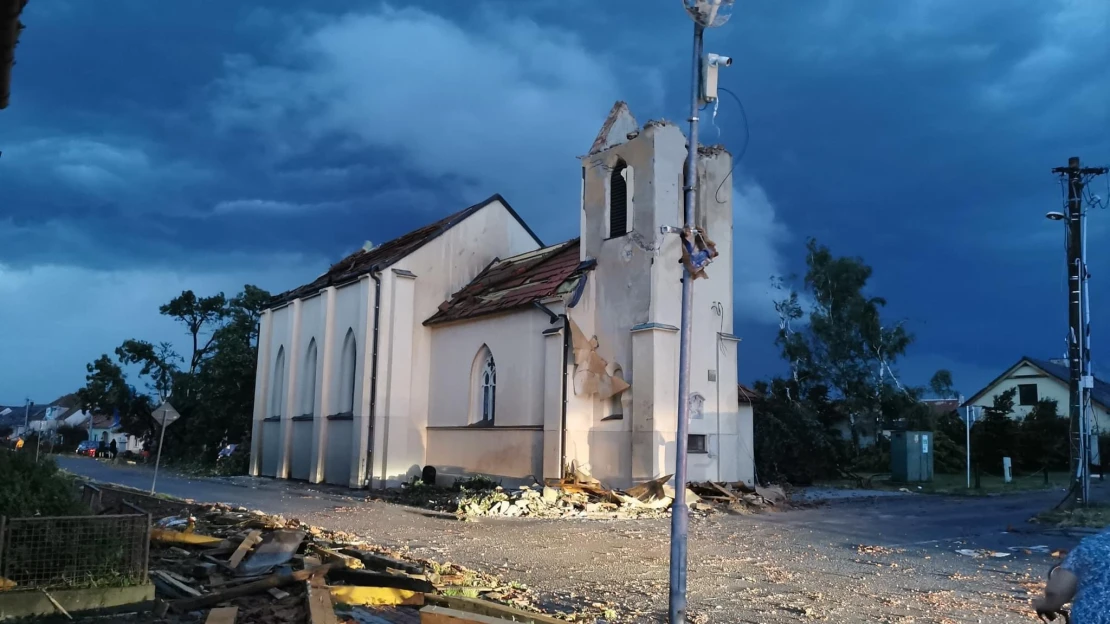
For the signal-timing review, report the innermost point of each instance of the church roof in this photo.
(514, 282)
(365, 261)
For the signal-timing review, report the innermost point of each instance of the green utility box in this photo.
(911, 456)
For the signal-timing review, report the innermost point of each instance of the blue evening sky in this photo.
(156, 146)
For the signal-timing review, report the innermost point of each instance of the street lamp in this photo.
(706, 14)
(1055, 216)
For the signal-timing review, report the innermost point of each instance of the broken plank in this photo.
(375, 596)
(722, 490)
(274, 580)
(442, 615)
(248, 542)
(222, 615)
(169, 536)
(375, 561)
(321, 609)
(334, 556)
(377, 579)
(489, 609)
(278, 594)
(177, 585)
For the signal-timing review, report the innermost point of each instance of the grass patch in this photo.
(1094, 517)
(956, 484)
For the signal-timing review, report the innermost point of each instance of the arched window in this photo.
(618, 200)
(277, 386)
(483, 397)
(347, 368)
(489, 389)
(308, 381)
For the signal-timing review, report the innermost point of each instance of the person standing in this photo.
(112, 448)
(1084, 580)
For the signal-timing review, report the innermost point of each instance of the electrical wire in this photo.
(743, 150)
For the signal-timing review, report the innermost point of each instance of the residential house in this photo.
(471, 346)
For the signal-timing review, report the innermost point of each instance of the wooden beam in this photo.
(489, 609)
(442, 615)
(321, 610)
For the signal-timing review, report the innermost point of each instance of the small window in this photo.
(277, 392)
(618, 200)
(308, 381)
(697, 443)
(348, 365)
(1027, 394)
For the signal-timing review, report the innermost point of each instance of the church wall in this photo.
(441, 267)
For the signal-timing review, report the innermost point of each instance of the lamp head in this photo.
(1055, 216)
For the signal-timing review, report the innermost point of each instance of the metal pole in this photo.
(158, 458)
(679, 511)
(967, 421)
(26, 416)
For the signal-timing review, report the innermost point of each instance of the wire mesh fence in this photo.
(75, 551)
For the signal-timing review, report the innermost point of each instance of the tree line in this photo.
(211, 385)
(825, 418)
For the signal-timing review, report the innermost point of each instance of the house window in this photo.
(308, 381)
(1027, 394)
(697, 443)
(347, 368)
(489, 389)
(277, 392)
(618, 200)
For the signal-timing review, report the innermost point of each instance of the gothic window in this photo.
(484, 380)
(308, 381)
(347, 368)
(277, 386)
(618, 200)
(489, 389)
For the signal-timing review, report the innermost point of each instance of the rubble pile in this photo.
(246, 566)
(582, 496)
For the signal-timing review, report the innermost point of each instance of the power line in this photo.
(743, 150)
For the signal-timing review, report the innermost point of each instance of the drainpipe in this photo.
(375, 274)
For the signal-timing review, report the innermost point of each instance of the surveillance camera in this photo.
(716, 60)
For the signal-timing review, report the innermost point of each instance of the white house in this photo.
(470, 346)
(1036, 379)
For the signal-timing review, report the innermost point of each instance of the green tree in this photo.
(1044, 438)
(941, 385)
(996, 435)
(201, 316)
(845, 346)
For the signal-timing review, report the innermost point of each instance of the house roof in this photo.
(942, 406)
(366, 261)
(514, 282)
(747, 395)
(1099, 394)
(10, 26)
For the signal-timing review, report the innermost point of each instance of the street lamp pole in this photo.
(706, 14)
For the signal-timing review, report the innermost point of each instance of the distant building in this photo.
(470, 346)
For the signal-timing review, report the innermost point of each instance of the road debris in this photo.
(982, 553)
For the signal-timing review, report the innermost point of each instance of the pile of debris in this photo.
(582, 496)
(246, 566)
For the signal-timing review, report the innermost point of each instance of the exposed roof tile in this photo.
(513, 283)
(364, 261)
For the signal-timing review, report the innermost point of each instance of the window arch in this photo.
(308, 381)
(618, 200)
(277, 386)
(348, 365)
(616, 408)
(485, 388)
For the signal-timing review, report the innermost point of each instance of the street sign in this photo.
(165, 415)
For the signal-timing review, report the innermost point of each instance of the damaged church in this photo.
(470, 346)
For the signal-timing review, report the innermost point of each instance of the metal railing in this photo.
(75, 551)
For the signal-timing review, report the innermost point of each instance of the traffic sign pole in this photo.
(169, 416)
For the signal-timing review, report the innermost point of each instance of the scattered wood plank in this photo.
(278, 594)
(222, 615)
(57, 605)
(334, 556)
(442, 615)
(374, 561)
(717, 486)
(274, 580)
(321, 609)
(169, 536)
(489, 609)
(375, 596)
(248, 542)
(377, 579)
(180, 587)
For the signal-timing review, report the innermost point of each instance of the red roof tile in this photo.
(364, 261)
(513, 283)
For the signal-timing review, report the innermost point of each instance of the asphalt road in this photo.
(889, 559)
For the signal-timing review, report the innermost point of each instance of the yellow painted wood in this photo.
(375, 596)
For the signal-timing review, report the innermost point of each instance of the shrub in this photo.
(30, 488)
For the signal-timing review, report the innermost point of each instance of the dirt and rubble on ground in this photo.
(580, 495)
(222, 564)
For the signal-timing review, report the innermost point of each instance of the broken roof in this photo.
(514, 282)
(10, 27)
(365, 261)
(604, 141)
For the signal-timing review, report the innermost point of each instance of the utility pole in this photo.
(1080, 380)
(26, 416)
